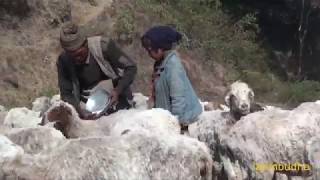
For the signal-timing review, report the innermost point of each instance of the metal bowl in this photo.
(98, 101)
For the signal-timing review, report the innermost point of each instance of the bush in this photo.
(299, 92)
(207, 28)
(219, 36)
(268, 88)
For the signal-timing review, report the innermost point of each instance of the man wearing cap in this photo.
(86, 62)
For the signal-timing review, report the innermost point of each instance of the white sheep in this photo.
(54, 99)
(140, 101)
(68, 122)
(130, 144)
(275, 136)
(35, 140)
(2, 108)
(132, 156)
(214, 124)
(22, 118)
(41, 104)
(270, 136)
(313, 155)
(8, 150)
(240, 99)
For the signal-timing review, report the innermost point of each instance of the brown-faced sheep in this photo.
(67, 120)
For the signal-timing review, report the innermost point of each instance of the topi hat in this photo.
(71, 37)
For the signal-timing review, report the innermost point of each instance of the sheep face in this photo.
(239, 98)
(60, 112)
(61, 115)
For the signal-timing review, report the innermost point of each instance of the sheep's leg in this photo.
(228, 168)
(313, 155)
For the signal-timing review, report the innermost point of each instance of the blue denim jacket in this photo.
(174, 92)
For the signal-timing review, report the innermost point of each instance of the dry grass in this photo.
(26, 74)
(29, 50)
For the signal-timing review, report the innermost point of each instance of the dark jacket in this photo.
(68, 80)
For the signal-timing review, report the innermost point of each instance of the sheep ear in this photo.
(227, 99)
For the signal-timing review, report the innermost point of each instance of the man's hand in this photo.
(86, 115)
(114, 97)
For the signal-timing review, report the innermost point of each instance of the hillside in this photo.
(223, 41)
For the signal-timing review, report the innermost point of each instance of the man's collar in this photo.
(167, 56)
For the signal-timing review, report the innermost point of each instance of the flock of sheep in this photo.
(142, 144)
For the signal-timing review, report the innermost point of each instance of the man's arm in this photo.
(177, 88)
(118, 59)
(65, 84)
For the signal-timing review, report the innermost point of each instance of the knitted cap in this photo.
(71, 37)
(161, 37)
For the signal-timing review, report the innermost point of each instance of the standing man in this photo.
(85, 62)
(171, 87)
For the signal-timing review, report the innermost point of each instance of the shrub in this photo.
(230, 39)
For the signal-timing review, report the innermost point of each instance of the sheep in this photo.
(8, 150)
(21, 118)
(139, 144)
(214, 122)
(273, 136)
(140, 101)
(35, 140)
(54, 99)
(2, 109)
(313, 154)
(132, 156)
(211, 127)
(41, 104)
(214, 125)
(232, 159)
(67, 120)
(2, 117)
(240, 99)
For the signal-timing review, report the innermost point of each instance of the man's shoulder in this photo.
(173, 59)
(109, 45)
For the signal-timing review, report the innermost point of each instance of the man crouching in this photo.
(85, 62)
